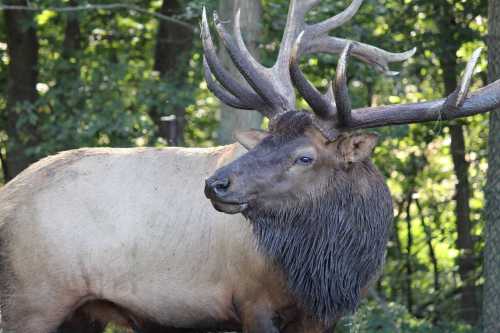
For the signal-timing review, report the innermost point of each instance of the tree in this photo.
(22, 75)
(491, 298)
(454, 32)
(446, 30)
(173, 44)
(251, 17)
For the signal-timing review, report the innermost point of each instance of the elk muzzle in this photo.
(218, 190)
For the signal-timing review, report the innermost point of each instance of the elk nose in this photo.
(217, 187)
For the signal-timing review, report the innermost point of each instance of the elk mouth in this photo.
(229, 207)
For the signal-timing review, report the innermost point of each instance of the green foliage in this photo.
(394, 318)
(100, 93)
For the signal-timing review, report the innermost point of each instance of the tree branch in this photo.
(102, 7)
(436, 301)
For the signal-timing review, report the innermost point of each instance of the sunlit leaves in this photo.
(44, 17)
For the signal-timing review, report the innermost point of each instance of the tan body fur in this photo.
(132, 227)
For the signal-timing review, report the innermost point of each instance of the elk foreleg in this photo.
(258, 318)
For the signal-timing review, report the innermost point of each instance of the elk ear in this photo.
(357, 147)
(250, 139)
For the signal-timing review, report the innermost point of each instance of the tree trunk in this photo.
(173, 43)
(3, 164)
(432, 255)
(469, 308)
(409, 246)
(491, 293)
(72, 34)
(22, 76)
(398, 255)
(432, 251)
(465, 242)
(68, 76)
(232, 119)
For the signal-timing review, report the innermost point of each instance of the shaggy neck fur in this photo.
(330, 246)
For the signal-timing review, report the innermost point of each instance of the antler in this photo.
(457, 105)
(340, 116)
(272, 91)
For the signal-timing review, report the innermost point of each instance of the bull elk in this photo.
(126, 234)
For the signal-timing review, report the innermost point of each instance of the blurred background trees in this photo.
(121, 78)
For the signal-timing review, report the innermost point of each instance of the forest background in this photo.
(130, 75)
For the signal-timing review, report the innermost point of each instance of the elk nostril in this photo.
(221, 186)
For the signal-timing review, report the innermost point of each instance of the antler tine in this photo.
(453, 107)
(457, 98)
(376, 57)
(341, 92)
(336, 21)
(234, 87)
(320, 104)
(242, 46)
(318, 40)
(295, 25)
(340, 110)
(220, 92)
(468, 74)
(330, 95)
(259, 80)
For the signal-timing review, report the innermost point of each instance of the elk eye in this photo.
(304, 160)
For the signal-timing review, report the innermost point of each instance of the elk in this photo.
(301, 216)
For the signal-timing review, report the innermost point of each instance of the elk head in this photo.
(303, 151)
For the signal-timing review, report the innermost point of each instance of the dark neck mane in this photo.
(329, 247)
